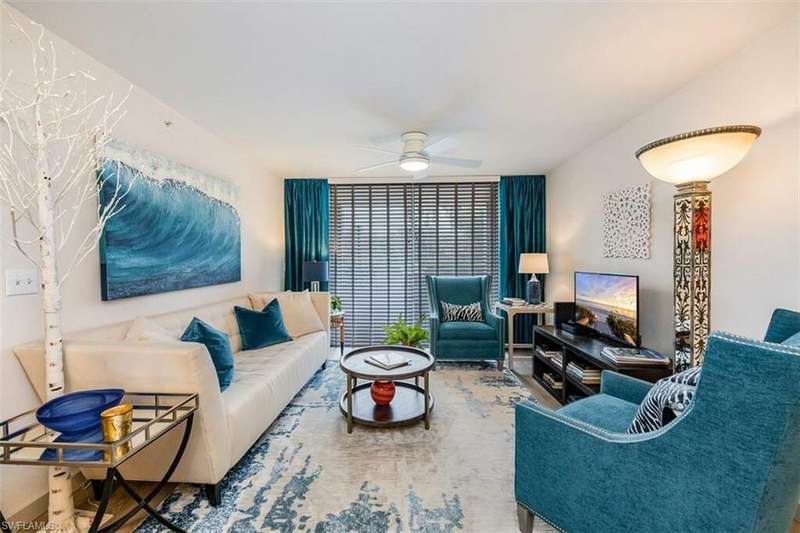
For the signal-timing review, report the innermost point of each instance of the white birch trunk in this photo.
(51, 141)
(61, 510)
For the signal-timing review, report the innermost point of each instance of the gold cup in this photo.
(116, 423)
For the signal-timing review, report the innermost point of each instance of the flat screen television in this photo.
(609, 305)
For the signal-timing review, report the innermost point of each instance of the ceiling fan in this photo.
(416, 157)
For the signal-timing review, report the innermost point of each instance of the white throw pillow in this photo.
(146, 330)
(299, 314)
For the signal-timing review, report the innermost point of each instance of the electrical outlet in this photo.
(21, 281)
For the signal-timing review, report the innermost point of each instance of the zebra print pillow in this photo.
(667, 400)
(462, 313)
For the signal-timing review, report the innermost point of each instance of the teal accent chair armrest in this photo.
(464, 340)
(434, 331)
(624, 387)
(731, 463)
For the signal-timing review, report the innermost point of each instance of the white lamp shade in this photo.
(533, 264)
(699, 155)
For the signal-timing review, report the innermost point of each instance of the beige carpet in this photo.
(307, 474)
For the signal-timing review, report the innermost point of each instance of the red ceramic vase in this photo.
(382, 392)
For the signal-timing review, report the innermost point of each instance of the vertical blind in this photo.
(385, 238)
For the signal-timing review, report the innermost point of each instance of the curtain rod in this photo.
(404, 179)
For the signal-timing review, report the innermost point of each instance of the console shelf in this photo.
(585, 351)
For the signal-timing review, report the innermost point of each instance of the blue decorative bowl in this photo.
(94, 435)
(78, 412)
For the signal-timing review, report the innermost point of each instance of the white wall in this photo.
(261, 209)
(756, 206)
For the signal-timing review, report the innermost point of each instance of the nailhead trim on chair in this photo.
(748, 341)
(536, 514)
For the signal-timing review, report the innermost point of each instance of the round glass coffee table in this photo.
(408, 404)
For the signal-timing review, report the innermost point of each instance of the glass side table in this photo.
(23, 440)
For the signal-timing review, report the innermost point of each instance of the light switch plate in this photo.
(21, 281)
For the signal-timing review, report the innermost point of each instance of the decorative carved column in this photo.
(692, 273)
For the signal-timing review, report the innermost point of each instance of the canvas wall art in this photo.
(626, 223)
(179, 228)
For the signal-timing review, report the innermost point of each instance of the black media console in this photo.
(585, 351)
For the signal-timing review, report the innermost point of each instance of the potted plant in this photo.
(336, 303)
(401, 332)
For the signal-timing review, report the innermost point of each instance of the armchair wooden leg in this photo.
(525, 519)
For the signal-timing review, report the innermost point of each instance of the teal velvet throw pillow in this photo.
(219, 346)
(261, 328)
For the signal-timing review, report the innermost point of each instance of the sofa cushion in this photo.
(261, 328)
(147, 330)
(266, 380)
(298, 311)
(466, 331)
(218, 345)
(603, 411)
(218, 314)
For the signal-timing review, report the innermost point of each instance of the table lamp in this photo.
(314, 272)
(533, 264)
(690, 161)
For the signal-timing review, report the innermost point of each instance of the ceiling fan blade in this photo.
(442, 145)
(456, 162)
(379, 140)
(379, 165)
(376, 149)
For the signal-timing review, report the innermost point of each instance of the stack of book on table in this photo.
(552, 355)
(387, 361)
(634, 356)
(584, 373)
(553, 381)
(513, 302)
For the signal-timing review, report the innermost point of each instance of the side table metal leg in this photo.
(141, 503)
(349, 404)
(108, 488)
(341, 339)
(427, 401)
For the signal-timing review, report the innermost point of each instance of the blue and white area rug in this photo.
(307, 474)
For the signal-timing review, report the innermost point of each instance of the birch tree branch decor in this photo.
(52, 136)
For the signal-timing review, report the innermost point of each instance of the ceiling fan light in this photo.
(414, 164)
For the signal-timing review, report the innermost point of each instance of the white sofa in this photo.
(228, 423)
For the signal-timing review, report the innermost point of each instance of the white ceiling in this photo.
(522, 86)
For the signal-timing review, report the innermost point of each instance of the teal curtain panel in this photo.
(523, 219)
(306, 227)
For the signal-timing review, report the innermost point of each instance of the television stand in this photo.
(584, 351)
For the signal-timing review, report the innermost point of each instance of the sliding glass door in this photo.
(385, 238)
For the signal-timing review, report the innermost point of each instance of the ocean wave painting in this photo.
(179, 228)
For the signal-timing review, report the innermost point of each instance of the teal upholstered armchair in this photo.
(731, 463)
(464, 340)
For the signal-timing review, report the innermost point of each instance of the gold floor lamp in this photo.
(690, 161)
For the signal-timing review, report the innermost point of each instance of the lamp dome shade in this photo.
(533, 264)
(699, 155)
